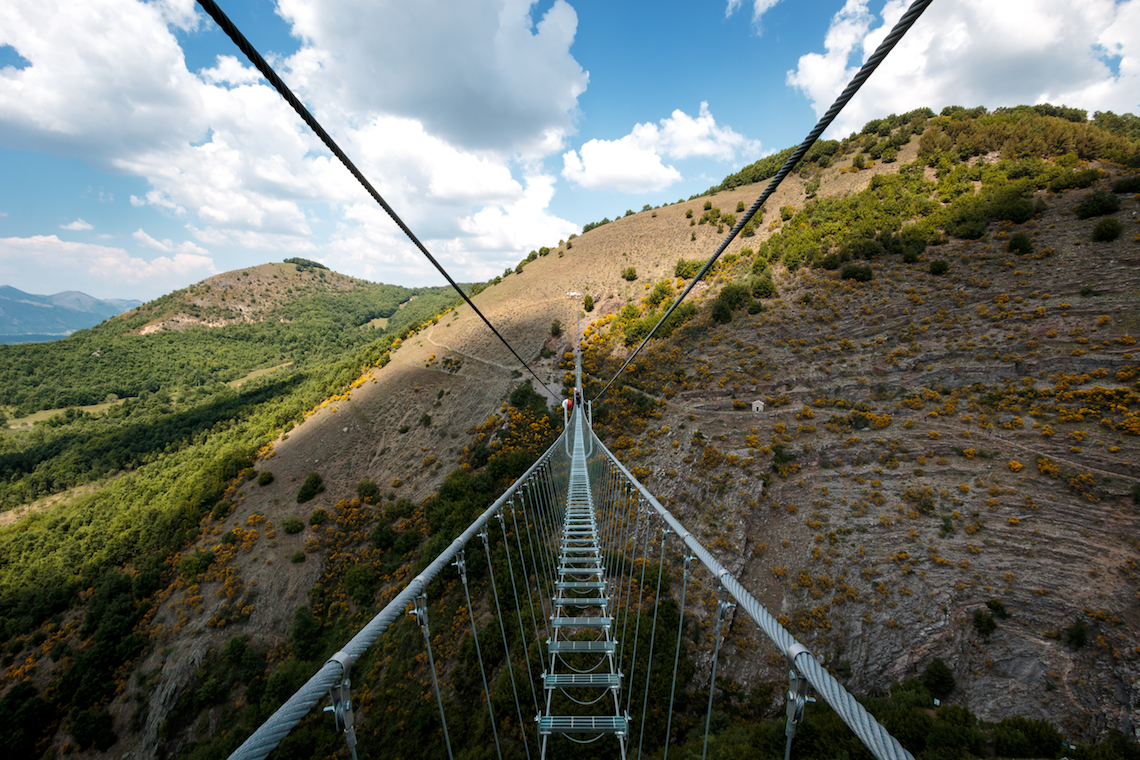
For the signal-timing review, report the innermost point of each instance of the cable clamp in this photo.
(420, 611)
(460, 563)
(341, 706)
(797, 690)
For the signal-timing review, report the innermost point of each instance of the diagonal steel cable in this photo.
(900, 29)
(267, 71)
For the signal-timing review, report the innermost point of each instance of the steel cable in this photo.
(267, 71)
(506, 645)
(870, 732)
(900, 29)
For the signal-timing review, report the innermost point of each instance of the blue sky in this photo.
(142, 154)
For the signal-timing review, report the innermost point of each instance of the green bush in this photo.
(1020, 244)
(739, 206)
(383, 537)
(1070, 180)
(360, 583)
(298, 557)
(425, 420)
(734, 294)
(312, 486)
(588, 302)
(708, 205)
(856, 272)
(1077, 634)
(939, 266)
(318, 517)
(404, 428)
(763, 287)
(755, 307)
(1107, 230)
(1097, 203)
(686, 268)
(984, 622)
(367, 490)
(938, 679)
(863, 248)
(629, 273)
(264, 478)
(556, 328)
(721, 313)
(293, 525)
(305, 634)
(1127, 185)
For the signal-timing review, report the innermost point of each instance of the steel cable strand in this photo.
(275, 728)
(518, 613)
(506, 645)
(677, 654)
(652, 638)
(539, 574)
(628, 537)
(267, 71)
(553, 521)
(421, 616)
(526, 581)
(721, 613)
(629, 590)
(461, 563)
(640, 602)
(900, 29)
(877, 739)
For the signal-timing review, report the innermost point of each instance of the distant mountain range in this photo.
(25, 317)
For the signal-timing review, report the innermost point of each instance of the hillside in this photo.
(25, 317)
(946, 466)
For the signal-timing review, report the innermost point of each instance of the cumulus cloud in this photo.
(76, 226)
(230, 71)
(444, 118)
(100, 270)
(621, 165)
(975, 52)
(633, 164)
(481, 75)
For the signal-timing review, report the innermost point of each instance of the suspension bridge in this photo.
(584, 533)
(590, 530)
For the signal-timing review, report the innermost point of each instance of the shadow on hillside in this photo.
(74, 457)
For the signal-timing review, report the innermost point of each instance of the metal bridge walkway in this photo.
(581, 646)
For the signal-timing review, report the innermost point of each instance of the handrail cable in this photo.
(870, 732)
(277, 726)
(267, 71)
(900, 29)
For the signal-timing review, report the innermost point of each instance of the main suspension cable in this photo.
(901, 28)
(267, 71)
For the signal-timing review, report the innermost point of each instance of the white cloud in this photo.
(759, 8)
(633, 163)
(480, 75)
(76, 226)
(975, 52)
(682, 136)
(445, 118)
(621, 165)
(230, 71)
(100, 270)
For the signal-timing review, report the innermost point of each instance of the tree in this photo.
(367, 490)
(938, 679)
(305, 634)
(312, 486)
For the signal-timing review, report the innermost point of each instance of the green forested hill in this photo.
(172, 385)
